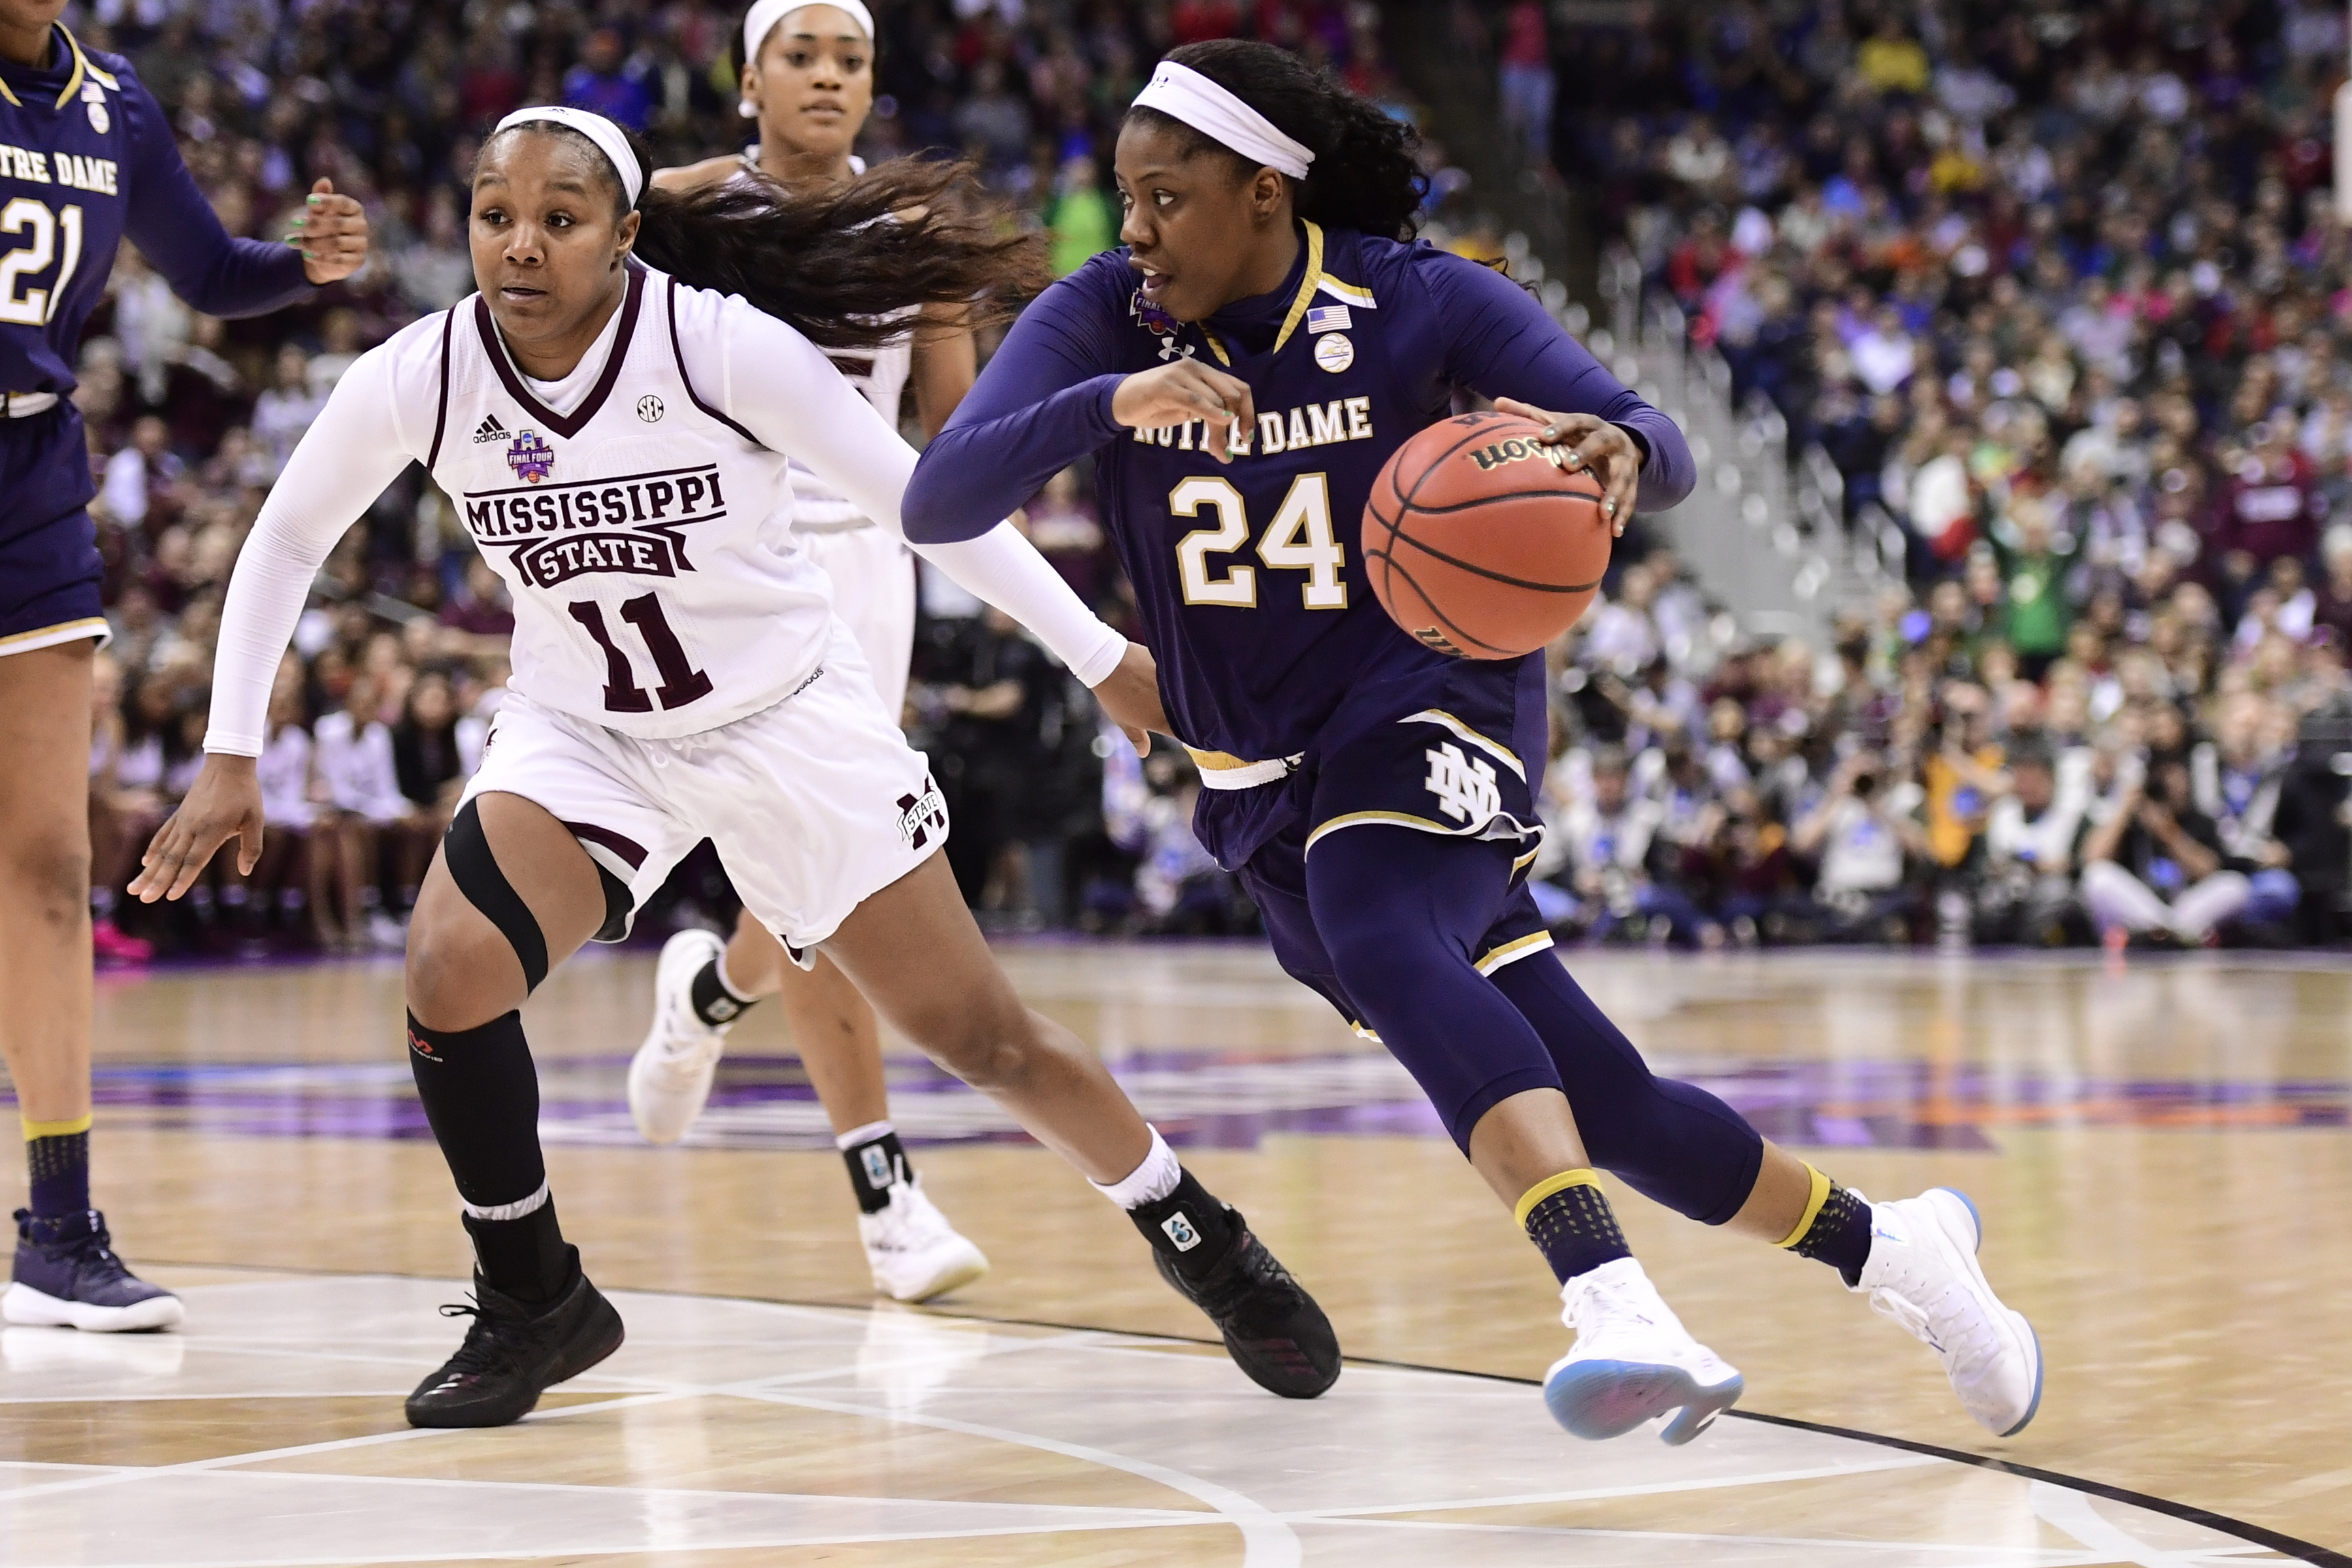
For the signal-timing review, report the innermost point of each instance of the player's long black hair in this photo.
(823, 260)
(1364, 175)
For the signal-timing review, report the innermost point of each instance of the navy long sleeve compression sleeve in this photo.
(1044, 401)
(177, 230)
(1498, 340)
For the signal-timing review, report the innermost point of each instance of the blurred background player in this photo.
(1240, 375)
(91, 160)
(808, 83)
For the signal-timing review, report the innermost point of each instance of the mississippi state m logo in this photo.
(920, 815)
(1464, 788)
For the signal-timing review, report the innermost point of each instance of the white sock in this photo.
(746, 998)
(1147, 1182)
(867, 1135)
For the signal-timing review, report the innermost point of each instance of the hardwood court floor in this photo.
(2160, 1152)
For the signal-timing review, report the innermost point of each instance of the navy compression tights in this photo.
(1401, 915)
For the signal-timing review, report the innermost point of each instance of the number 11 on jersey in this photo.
(681, 682)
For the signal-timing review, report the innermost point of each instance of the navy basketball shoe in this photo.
(1272, 1327)
(512, 1353)
(66, 1275)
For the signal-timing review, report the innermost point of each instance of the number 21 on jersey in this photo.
(1298, 539)
(39, 229)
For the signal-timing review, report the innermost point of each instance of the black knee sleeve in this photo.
(481, 1096)
(1673, 1142)
(467, 852)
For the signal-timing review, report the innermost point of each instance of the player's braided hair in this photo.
(1364, 175)
(825, 260)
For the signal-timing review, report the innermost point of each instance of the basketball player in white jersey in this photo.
(808, 83)
(616, 441)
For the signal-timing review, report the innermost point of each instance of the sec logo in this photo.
(649, 408)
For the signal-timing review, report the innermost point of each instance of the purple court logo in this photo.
(531, 459)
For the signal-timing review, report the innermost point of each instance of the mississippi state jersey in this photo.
(879, 375)
(645, 538)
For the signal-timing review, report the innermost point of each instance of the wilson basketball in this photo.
(1478, 542)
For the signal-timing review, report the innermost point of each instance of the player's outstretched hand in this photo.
(1184, 390)
(1131, 695)
(1597, 445)
(224, 803)
(332, 232)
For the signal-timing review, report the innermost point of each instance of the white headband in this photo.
(1182, 93)
(608, 137)
(762, 18)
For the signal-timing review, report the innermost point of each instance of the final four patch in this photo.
(531, 459)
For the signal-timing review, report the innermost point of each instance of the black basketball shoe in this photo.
(1272, 1327)
(512, 1354)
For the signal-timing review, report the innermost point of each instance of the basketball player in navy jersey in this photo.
(1239, 373)
(86, 159)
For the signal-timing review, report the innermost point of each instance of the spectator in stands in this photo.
(1527, 85)
(2155, 868)
(1860, 834)
(2032, 841)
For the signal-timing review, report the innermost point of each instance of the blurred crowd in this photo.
(401, 662)
(2059, 291)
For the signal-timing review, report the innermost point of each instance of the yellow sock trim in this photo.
(1583, 1176)
(1821, 1195)
(55, 1129)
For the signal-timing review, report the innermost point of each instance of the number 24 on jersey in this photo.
(1298, 539)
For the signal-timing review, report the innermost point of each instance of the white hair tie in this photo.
(762, 18)
(610, 140)
(1182, 93)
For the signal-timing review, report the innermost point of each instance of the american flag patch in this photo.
(1327, 319)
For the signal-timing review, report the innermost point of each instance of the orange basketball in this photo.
(1478, 542)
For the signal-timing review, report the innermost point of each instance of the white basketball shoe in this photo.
(914, 1252)
(1923, 1273)
(1632, 1360)
(669, 1078)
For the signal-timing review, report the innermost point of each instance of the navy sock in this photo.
(875, 1165)
(1838, 1234)
(60, 1162)
(1569, 1218)
(715, 1002)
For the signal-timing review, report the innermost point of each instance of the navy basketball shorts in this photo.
(49, 569)
(1428, 773)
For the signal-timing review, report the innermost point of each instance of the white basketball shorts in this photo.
(814, 805)
(873, 593)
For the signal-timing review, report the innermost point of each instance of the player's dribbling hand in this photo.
(224, 803)
(1131, 695)
(1597, 445)
(1185, 390)
(332, 232)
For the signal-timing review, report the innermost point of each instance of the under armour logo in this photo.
(1178, 1227)
(1464, 789)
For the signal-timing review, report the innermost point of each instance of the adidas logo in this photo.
(489, 429)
